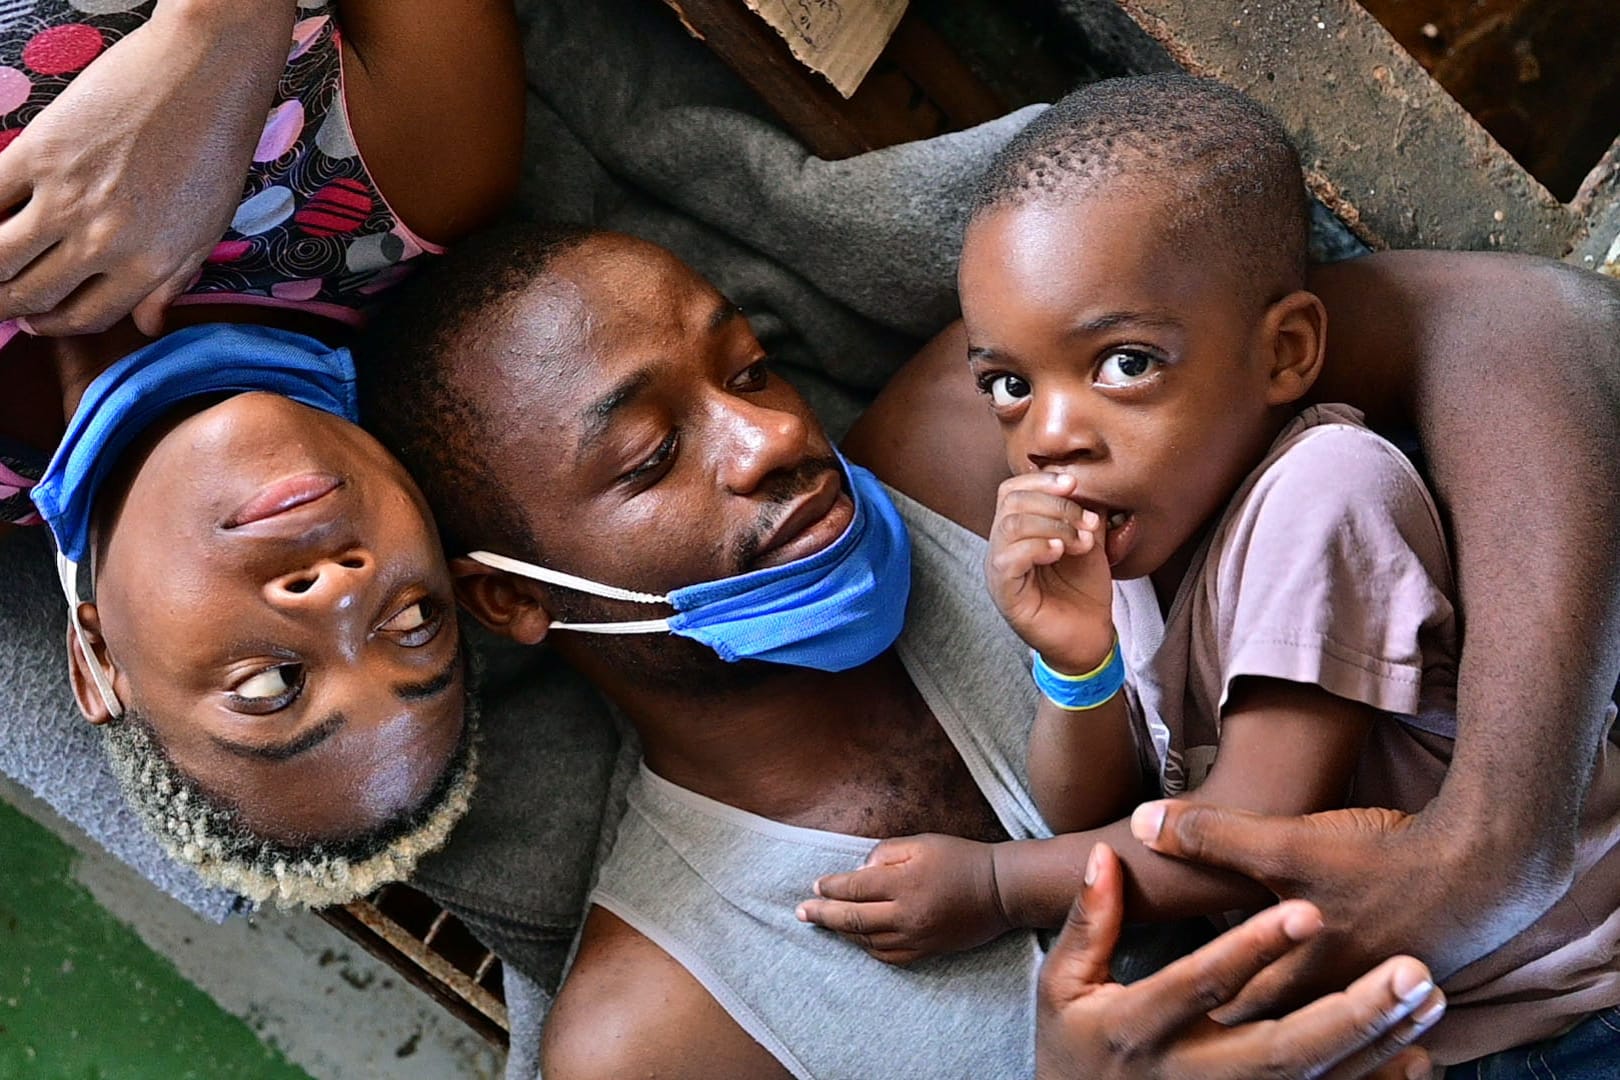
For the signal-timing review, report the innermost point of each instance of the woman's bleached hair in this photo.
(205, 831)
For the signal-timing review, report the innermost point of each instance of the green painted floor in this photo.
(82, 998)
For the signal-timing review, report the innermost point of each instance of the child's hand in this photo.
(1048, 571)
(915, 897)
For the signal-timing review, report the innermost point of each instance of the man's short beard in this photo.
(205, 831)
(674, 664)
(779, 490)
(668, 661)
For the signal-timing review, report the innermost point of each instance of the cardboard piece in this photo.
(838, 39)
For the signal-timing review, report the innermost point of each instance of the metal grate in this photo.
(433, 951)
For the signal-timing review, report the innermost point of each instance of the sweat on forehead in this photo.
(1222, 167)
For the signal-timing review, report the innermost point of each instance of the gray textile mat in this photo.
(48, 747)
(516, 869)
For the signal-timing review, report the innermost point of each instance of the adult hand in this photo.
(1047, 569)
(1387, 883)
(123, 185)
(915, 897)
(1089, 1026)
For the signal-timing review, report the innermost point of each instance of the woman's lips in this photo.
(283, 496)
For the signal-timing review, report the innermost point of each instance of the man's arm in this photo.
(435, 95)
(931, 434)
(629, 1009)
(1510, 367)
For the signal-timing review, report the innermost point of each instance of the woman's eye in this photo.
(271, 683)
(415, 624)
(1123, 367)
(753, 377)
(1006, 390)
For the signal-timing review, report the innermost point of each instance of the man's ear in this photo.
(1294, 337)
(84, 686)
(505, 603)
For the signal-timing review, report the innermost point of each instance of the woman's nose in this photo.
(328, 582)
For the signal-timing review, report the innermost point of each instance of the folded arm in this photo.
(121, 187)
(116, 192)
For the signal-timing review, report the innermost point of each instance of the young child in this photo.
(1248, 599)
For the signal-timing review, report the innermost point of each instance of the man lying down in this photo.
(612, 445)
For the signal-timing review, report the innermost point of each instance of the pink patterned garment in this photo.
(312, 231)
(19, 470)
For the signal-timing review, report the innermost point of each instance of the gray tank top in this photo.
(716, 887)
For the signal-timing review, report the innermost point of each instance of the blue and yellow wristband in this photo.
(1080, 693)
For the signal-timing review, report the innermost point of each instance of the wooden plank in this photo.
(917, 89)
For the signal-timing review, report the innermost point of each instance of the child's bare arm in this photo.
(1047, 571)
(1083, 767)
(1289, 747)
(1286, 748)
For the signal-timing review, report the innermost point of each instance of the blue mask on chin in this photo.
(833, 610)
(138, 390)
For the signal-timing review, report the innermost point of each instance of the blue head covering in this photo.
(138, 390)
(135, 392)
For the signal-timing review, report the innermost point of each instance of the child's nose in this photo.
(1062, 433)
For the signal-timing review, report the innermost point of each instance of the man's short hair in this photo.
(1223, 164)
(205, 830)
(411, 397)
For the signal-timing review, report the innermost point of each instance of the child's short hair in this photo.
(1226, 164)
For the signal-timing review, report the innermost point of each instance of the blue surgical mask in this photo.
(833, 610)
(138, 390)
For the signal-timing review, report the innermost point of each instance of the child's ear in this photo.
(505, 603)
(82, 651)
(1294, 336)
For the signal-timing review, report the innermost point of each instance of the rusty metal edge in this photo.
(1502, 206)
(383, 938)
(1597, 247)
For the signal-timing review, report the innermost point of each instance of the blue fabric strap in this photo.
(1078, 693)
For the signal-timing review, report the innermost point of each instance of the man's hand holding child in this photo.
(915, 897)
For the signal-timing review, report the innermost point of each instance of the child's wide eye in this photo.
(1122, 367)
(1007, 390)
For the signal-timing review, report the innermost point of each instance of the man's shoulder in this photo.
(628, 1008)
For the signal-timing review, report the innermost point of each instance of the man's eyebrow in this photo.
(1115, 319)
(300, 744)
(599, 413)
(437, 684)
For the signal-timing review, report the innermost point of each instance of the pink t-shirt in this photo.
(1329, 566)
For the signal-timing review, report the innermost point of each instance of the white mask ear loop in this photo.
(68, 572)
(584, 585)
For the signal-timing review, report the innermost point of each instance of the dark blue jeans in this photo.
(1589, 1051)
